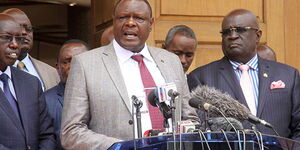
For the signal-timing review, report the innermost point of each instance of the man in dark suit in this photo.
(44, 72)
(23, 115)
(55, 96)
(275, 87)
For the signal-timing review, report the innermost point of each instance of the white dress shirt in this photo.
(10, 84)
(29, 68)
(133, 81)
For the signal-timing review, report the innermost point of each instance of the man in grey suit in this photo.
(97, 107)
(44, 72)
(275, 87)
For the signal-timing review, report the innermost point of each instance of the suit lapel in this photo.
(113, 68)
(19, 90)
(160, 61)
(227, 72)
(264, 84)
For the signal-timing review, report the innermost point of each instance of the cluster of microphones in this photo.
(222, 110)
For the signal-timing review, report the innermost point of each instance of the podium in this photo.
(209, 140)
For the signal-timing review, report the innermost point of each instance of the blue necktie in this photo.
(13, 103)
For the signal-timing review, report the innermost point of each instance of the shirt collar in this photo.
(253, 63)
(7, 71)
(26, 60)
(124, 54)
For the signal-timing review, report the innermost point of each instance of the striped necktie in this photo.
(148, 82)
(10, 98)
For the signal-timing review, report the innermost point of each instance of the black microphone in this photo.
(225, 103)
(164, 108)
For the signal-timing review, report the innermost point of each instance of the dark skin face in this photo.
(184, 48)
(9, 51)
(24, 22)
(65, 56)
(132, 24)
(240, 47)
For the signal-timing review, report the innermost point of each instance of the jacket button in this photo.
(130, 122)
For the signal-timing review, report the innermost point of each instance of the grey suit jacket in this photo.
(47, 73)
(97, 107)
(280, 107)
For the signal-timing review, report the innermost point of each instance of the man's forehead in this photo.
(236, 20)
(9, 26)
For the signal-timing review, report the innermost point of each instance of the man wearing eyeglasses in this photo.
(46, 74)
(269, 89)
(23, 115)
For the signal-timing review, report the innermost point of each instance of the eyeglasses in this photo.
(27, 28)
(239, 30)
(9, 38)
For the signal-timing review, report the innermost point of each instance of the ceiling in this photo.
(84, 3)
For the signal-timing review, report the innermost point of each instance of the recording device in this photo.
(207, 97)
(166, 92)
(186, 126)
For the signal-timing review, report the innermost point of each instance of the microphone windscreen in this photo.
(223, 101)
(194, 102)
(152, 98)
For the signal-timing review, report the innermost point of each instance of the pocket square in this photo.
(277, 85)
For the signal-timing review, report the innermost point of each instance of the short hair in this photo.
(77, 41)
(181, 30)
(146, 1)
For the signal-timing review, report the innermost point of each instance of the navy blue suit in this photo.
(280, 107)
(35, 131)
(55, 99)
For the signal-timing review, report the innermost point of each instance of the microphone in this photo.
(154, 101)
(204, 97)
(173, 93)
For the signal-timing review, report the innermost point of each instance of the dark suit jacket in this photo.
(36, 131)
(55, 99)
(280, 107)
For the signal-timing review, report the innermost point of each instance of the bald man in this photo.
(273, 89)
(25, 123)
(266, 52)
(47, 75)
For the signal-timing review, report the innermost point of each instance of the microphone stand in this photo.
(138, 104)
(173, 95)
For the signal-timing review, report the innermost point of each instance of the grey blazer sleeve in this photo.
(75, 132)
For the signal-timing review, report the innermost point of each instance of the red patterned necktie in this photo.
(148, 82)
